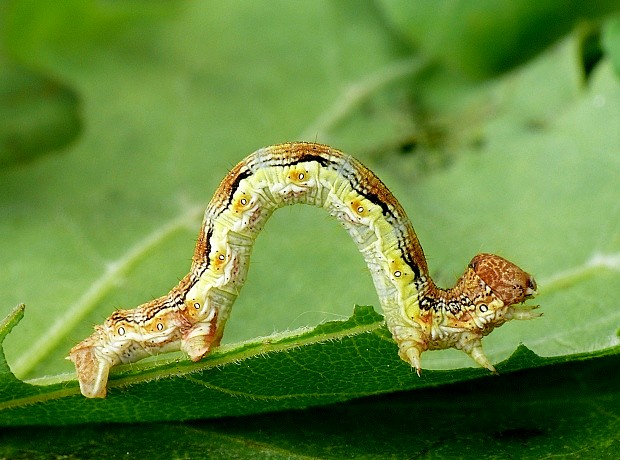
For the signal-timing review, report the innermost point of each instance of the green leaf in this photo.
(8, 383)
(484, 38)
(523, 165)
(573, 411)
(570, 412)
(334, 362)
(611, 41)
(39, 114)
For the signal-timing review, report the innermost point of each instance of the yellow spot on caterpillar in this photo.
(399, 269)
(193, 310)
(297, 175)
(241, 203)
(357, 206)
(219, 260)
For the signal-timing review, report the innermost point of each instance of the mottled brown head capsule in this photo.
(511, 284)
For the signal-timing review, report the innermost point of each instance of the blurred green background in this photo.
(495, 123)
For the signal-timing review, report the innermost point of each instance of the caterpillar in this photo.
(420, 315)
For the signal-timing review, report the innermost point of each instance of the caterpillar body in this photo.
(420, 315)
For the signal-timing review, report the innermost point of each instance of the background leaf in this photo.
(39, 115)
(524, 165)
(611, 41)
(488, 37)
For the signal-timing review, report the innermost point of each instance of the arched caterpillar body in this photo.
(419, 315)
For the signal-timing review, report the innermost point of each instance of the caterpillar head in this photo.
(507, 281)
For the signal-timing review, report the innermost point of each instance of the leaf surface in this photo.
(523, 165)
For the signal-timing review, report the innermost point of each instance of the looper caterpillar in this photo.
(420, 315)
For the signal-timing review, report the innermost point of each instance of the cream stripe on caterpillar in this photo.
(420, 315)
